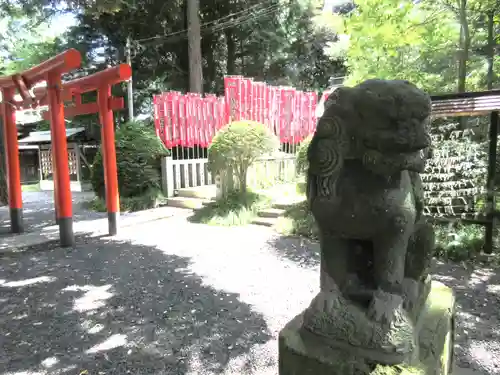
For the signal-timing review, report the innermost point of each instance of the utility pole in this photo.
(130, 91)
(194, 47)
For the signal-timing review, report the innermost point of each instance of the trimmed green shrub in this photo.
(235, 147)
(301, 163)
(138, 158)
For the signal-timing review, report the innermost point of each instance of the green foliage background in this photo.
(138, 155)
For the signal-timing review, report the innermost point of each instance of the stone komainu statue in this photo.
(365, 192)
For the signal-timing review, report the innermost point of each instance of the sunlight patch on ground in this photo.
(50, 362)
(479, 277)
(91, 327)
(484, 350)
(493, 288)
(261, 356)
(443, 278)
(114, 341)
(93, 298)
(19, 317)
(469, 320)
(27, 282)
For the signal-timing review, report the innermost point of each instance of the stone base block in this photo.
(303, 353)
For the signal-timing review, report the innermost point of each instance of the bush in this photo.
(301, 164)
(457, 241)
(237, 146)
(298, 220)
(150, 199)
(138, 158)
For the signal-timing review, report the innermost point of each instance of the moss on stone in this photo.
(302, 354)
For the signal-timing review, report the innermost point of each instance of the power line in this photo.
(221, 26)
(204, 24)
(250, 17)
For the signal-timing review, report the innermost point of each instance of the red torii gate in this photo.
(54, 96)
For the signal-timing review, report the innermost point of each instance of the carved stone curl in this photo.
(365, 192)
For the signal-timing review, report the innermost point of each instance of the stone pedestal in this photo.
(302, 352)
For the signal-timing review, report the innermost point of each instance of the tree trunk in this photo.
(464, 45)
(210, 72)
(231, 53)
(243, 170)
(194, 47)
(491, 50)
(242, 68)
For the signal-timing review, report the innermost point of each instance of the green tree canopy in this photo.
(419, 41)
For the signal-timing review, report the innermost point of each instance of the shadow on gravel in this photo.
(477, 292)
(297, 249)
(117, 308)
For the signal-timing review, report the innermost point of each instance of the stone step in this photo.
(283, 205)
(271, 213)
(184, 202)
(265, 221)
(201, 192)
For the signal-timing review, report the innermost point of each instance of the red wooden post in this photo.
(12, 161)
(109, 156)
(102, 82)
(60, 149)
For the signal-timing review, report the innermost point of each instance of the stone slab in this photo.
(303, 354)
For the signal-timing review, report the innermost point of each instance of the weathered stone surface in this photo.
(365, 191)
(302, 353)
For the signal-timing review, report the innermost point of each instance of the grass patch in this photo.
(282, 192)
(298, 221)
(236, 209)
(31, 187)
(151, 199)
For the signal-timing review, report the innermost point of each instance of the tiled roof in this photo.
(44, 136)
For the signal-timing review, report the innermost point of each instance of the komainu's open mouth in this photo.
(390, 146)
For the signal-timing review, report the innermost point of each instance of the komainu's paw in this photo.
(325, 302)
(410, 293)
(384, 306)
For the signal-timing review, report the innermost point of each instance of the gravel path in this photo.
(170, 297)
(38, 210)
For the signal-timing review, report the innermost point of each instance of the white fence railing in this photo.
(271, 170)
(189, 173)
(185, 173)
